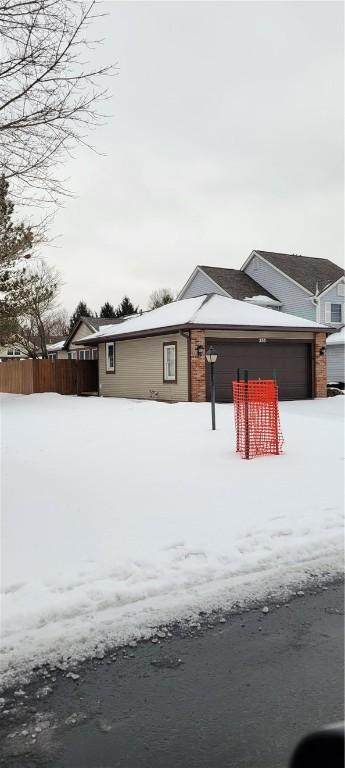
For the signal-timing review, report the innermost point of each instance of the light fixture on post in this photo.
(211, 357)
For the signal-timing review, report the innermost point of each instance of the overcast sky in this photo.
(225, 134)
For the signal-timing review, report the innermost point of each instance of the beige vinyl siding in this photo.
(139, 369)
(259, 334)
(82, 331)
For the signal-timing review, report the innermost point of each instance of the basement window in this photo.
(169, 363)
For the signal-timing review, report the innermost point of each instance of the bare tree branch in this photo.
(49, 96)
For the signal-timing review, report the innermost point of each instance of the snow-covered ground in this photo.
(119, 515)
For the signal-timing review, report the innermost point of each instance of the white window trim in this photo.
(83, 358)
(328, 312)
(108, 368)
(168, 379)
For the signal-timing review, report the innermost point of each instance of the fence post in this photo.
(275, 412)
(238, 418)
(246, 420)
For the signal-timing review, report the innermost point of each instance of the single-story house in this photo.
(68, 349)
(162, 354)
(14, 350)
(335, 357)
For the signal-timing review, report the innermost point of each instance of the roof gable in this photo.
(236, 283)
(311, 273)
(93, 323)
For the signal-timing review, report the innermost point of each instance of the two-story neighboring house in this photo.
(298, 285)
(305, 286)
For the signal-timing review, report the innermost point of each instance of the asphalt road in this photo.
(239, 694)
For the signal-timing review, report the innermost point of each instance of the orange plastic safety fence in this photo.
(257, 423)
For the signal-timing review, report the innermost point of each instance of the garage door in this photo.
(291, 362)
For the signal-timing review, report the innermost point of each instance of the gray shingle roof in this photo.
(305, 270)
(96, 322)
(237, 284)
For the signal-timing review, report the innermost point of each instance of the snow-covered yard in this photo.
(119, 515)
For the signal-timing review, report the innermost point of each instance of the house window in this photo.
(13, 352)
(169, 362)
(94, 352)
(85, 354)
(52, 356)
(110, 357)
(335, 313)
(72, 355)
(341, 289)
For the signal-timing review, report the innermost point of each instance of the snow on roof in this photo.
(337, 338)
(209, 310)
(55, 347)
(263, 301)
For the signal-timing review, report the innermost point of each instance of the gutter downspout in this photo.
(186, 335)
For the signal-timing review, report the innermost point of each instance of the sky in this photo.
(224, 134)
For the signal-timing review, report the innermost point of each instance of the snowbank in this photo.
(119, 515)
(336, 338)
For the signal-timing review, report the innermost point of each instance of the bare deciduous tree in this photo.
(49, 94)
(37, 308)
(161, 297)
(57, 323)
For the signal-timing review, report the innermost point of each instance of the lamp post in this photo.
(211, 357)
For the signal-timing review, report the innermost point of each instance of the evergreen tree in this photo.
(107, 310)
(126, 308)
(161, 297)
(16, 244)
(81, 310)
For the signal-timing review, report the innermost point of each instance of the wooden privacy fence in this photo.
(66, 377)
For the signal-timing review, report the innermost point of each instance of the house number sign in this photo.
(262, 341)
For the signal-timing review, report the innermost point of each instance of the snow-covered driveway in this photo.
(118, 515)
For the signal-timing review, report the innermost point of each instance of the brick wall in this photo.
(198, 379)
(320, 366)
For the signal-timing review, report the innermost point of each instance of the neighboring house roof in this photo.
(57, 346)
(337, 338)
(208, 311)
(236, 283)
(93, 323)
(97, 322)
(309, 272)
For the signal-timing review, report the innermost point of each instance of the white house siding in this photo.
(335, 363)
(139, 370)
(294, 300)
(201, 284)
(4, 352)
(332, 297)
